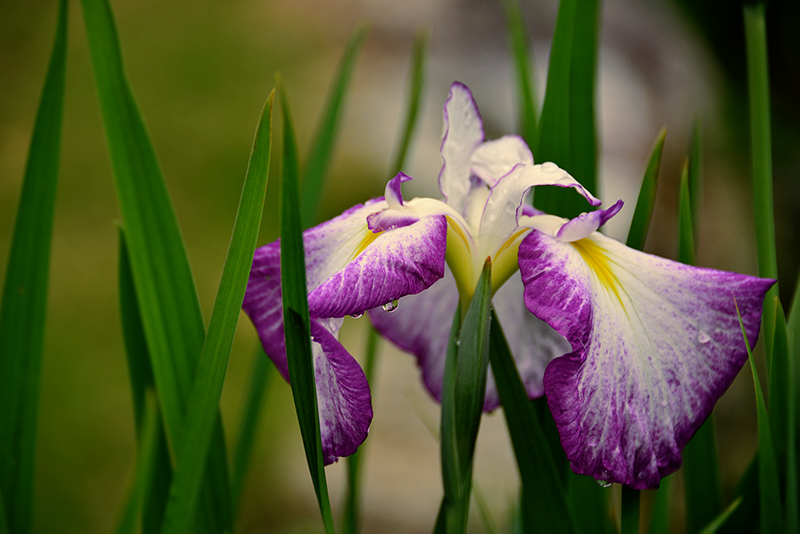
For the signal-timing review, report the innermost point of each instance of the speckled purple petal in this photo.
(586, 224)
(399, 262)
(654, 344)
(494, 159)
(463, 132)
(343, 396)
(393, 192)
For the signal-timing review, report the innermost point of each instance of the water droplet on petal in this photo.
(357, 315)
(549, 167)
(703, 337)
(391, 306)
(582, 216)
(604, 483)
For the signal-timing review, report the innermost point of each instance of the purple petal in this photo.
(654, 344)
(463, 132)
(393, 194)
(494, 159)
(586, 224)
(343, 397)
(399, 262)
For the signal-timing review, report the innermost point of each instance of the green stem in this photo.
(629, 523)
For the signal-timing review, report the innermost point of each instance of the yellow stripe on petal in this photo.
(598, 262)
(369, 238)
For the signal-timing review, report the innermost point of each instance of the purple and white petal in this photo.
(393, 192)
(533, 343)
(655, 343)
(494, 159)
(400, 262)
(262, 303)
(343, 396)
(504, 207)
(463, 132)
(420, 324)
(586, 224)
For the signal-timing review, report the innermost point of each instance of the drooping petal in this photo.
(494, 159)
(421, 325)
(343, 396)
(586, 224)
(505, 204)
(532, 342)
(654, 344)
(463, 132)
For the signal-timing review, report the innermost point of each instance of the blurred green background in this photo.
(201, 71)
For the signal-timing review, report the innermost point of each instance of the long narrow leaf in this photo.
(696, 176)
(755, 32)
(195, 440)
(629, 520)
(260, 376)
(544, 500)
(722, 518)
(322, 148)
(153, 466)
(567, 125)
(662, 507)
(526, 95)
(295, 318)
(24, 304)
(165, 288)
(770, 512)
(643, 213)
(416, 83)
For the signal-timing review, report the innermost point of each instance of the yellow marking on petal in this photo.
(505, 261)
(367, 241)
(598, 262)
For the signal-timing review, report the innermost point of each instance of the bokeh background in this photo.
(201, 70)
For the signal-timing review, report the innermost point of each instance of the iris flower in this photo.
(631, 350)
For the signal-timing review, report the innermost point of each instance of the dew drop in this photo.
(604, 483)
(703, 337)
(391, 306)
(549, 167)
(357, 315)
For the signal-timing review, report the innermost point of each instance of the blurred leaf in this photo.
(720, 520)
(260, 375)
(662, 507)
(643, 213)
(24, 304)
(586, 494)
(322, 147)
(770, 511)
(686, 252)
(567, 125)
(761, 146)
(744, 519)
(153, 465)
(194, 441)
(696, 176)
(417, 81)
(526, 95)
(544, 499)
(295, 317)
(781, 415)
(165, 290)
(630, 506)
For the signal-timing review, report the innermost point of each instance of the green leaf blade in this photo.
(295, 317)
(417, 81)
(526, 96)
(202, 410)
(165, 290)
(646, 201)
(24, 300)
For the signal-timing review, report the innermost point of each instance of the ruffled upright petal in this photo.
(463, 132)
(494, 159)
(654, 343)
